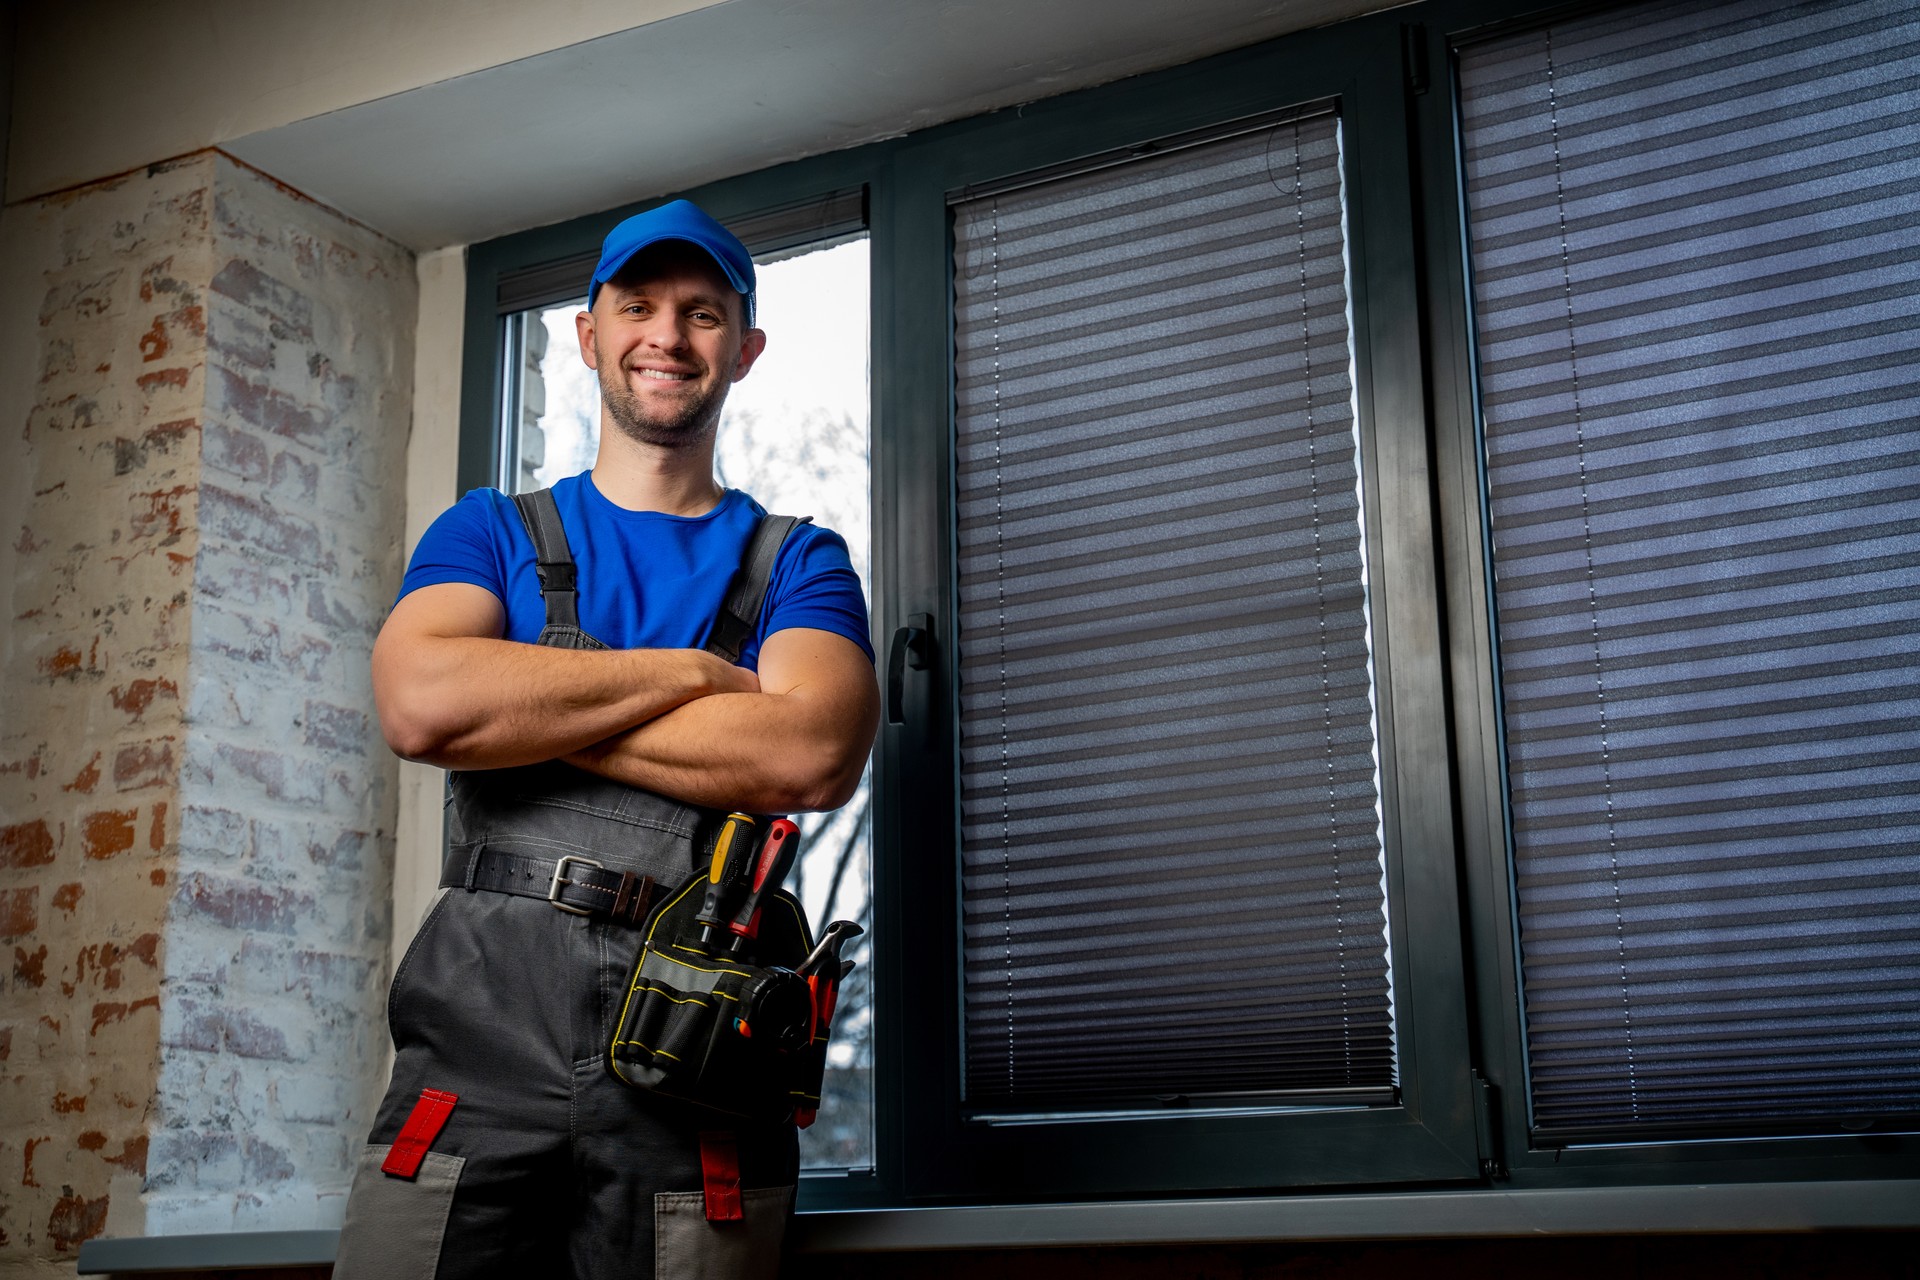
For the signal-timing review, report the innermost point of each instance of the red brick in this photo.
(26, 1161)
(26, 844)
(157, 830)
(19, 912)
(75, 1219)
(163, 378)
(236, 453)
(69, 663)
(113, 1011)
(154, 343)
(6, 1043)
(282, 305)
(87, 779)
(157, 511)
(91, 1140)
(105, 959)
(30, 968)
(68, 896)
(108, 832)
(133, 1154)
(63, 1105)
(263, 1162)
(138, 696)
(143, 764)
(334, 728)
(250, 523)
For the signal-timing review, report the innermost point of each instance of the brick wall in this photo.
(203, 475)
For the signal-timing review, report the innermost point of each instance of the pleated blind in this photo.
(1695, 238)
(1172, 880)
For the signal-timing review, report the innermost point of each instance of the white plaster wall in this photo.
(104, 86)
(432, 486)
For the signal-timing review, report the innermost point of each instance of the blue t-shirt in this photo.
(647, 580)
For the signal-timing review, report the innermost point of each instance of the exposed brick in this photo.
(109, 1011)
(87, 779)
(85, 299)
(282, 778)
(26, 844)
(345, 852)
(91, 1140)
(158, 512)
(242, 400)
(133, 1154)
(293, 478)
(157, 828)
(19, 912)
(175, 378)
(105, 958)
(64, 1105)
(242, 904)
(139, 695)
(107, 832)
(30, 967)
(235, 452)
(69, 663)
(6, 1043)
(286, 308)
(263, 1162)
(26, 1160)
(334, 728)
(230, 1030)
(143, 764)
(253, 524)
(154, 343)
(68, 896)
(75, 1219)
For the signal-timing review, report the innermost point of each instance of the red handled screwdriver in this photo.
(777, 856)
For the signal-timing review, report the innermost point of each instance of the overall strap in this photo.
(740, 611)
(553, 559)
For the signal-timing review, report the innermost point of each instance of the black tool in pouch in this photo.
(738, 1032)
(724, 1021)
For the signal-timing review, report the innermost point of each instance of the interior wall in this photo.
(204, 398)
(432, 486)
(186, 74)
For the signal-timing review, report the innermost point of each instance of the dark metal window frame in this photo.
(1464, 1114)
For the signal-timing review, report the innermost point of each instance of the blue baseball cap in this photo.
(678, 220)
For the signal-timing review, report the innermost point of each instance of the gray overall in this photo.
(547, 1165)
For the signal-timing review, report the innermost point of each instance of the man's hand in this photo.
(451, 692)
(798, 744)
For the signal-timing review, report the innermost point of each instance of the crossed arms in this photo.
(451, 692)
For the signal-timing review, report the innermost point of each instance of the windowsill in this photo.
(1666, 1210)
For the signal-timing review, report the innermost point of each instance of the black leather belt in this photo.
(579, 886)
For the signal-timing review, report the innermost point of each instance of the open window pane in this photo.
(1696, 269)
(794, 435)
(1171, 833)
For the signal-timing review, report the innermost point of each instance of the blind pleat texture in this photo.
(1695, 240)
(1172, 876)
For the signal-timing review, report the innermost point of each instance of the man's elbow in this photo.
(826, 778)
(411, 734)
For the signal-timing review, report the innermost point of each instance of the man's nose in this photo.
(666, 333)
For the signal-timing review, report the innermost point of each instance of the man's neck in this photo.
(641, 477)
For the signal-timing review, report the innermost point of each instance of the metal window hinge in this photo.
(1486, 1129)
(1413, 50)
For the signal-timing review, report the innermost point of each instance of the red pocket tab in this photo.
(417, 1134)
(720, 1177)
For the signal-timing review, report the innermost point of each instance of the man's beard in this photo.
(682, 429)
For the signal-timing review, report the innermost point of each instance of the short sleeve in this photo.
(458, 547)
(814, 585)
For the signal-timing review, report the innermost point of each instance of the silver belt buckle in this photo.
(560, 878)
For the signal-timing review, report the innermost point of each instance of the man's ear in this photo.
(583, 325)
(752, 343)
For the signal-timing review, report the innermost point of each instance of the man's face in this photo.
(667, 337)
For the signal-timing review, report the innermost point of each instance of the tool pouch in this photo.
(733, 1031)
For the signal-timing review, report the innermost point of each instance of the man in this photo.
(615, 738)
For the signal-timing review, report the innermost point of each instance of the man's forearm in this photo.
(475, 703)
(757, 752)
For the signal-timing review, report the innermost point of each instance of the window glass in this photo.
(1697, 288)
(793, 435)
(1169, 776)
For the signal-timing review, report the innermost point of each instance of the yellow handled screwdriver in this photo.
(732, 858)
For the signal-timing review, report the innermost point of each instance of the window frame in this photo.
(1462, 1038)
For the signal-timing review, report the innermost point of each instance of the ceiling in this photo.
(724, 90)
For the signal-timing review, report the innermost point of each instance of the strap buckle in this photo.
(560, 879)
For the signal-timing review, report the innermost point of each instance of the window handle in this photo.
(911, 644)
